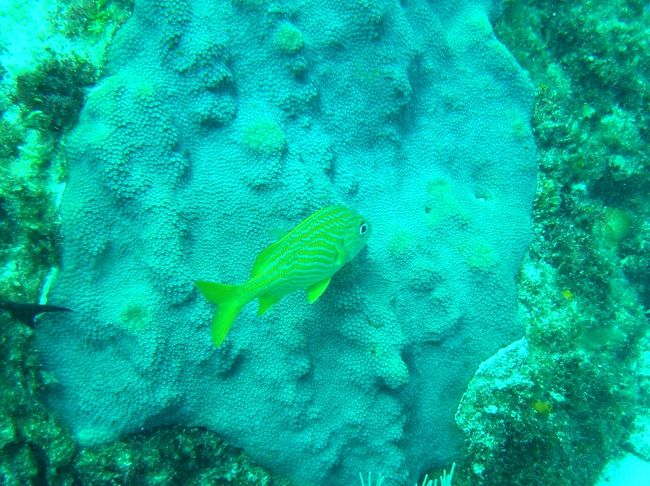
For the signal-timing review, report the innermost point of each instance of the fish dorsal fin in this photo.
(266, 301)
(262, 260)
(316, 290)
(278, 233)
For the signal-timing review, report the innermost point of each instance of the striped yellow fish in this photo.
(305, 258)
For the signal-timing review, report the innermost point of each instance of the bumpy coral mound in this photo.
(216, 125)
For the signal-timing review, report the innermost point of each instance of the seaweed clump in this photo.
(53, 93)
(94, 18)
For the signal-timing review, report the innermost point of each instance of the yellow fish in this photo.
(305, 258)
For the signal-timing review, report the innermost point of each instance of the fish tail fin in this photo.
(229, 301)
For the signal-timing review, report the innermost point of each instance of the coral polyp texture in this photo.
(217, 124)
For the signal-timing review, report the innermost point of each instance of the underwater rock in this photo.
(416, 116)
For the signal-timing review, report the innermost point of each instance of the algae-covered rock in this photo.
(380, 100)
(388, 98)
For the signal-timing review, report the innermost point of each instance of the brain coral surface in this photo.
(218, 124)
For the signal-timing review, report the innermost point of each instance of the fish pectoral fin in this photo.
(341, 257)
(316, 290)
(266, 301)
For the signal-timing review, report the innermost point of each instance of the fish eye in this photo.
(363, 228)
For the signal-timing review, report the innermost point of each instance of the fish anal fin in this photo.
(216, 293)
(316, 290)
(266, 301)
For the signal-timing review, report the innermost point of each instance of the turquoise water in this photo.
(495, 319)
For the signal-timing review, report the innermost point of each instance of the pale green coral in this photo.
(480, 254)
(441, 202)
(135, 317)
(288, 39)
(265, 137)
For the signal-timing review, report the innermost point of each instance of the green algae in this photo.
(34, 448)
(584, 284)
(173, 455)
(10, 139)
(90, 18)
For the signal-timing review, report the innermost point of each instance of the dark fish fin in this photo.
(26, 313)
